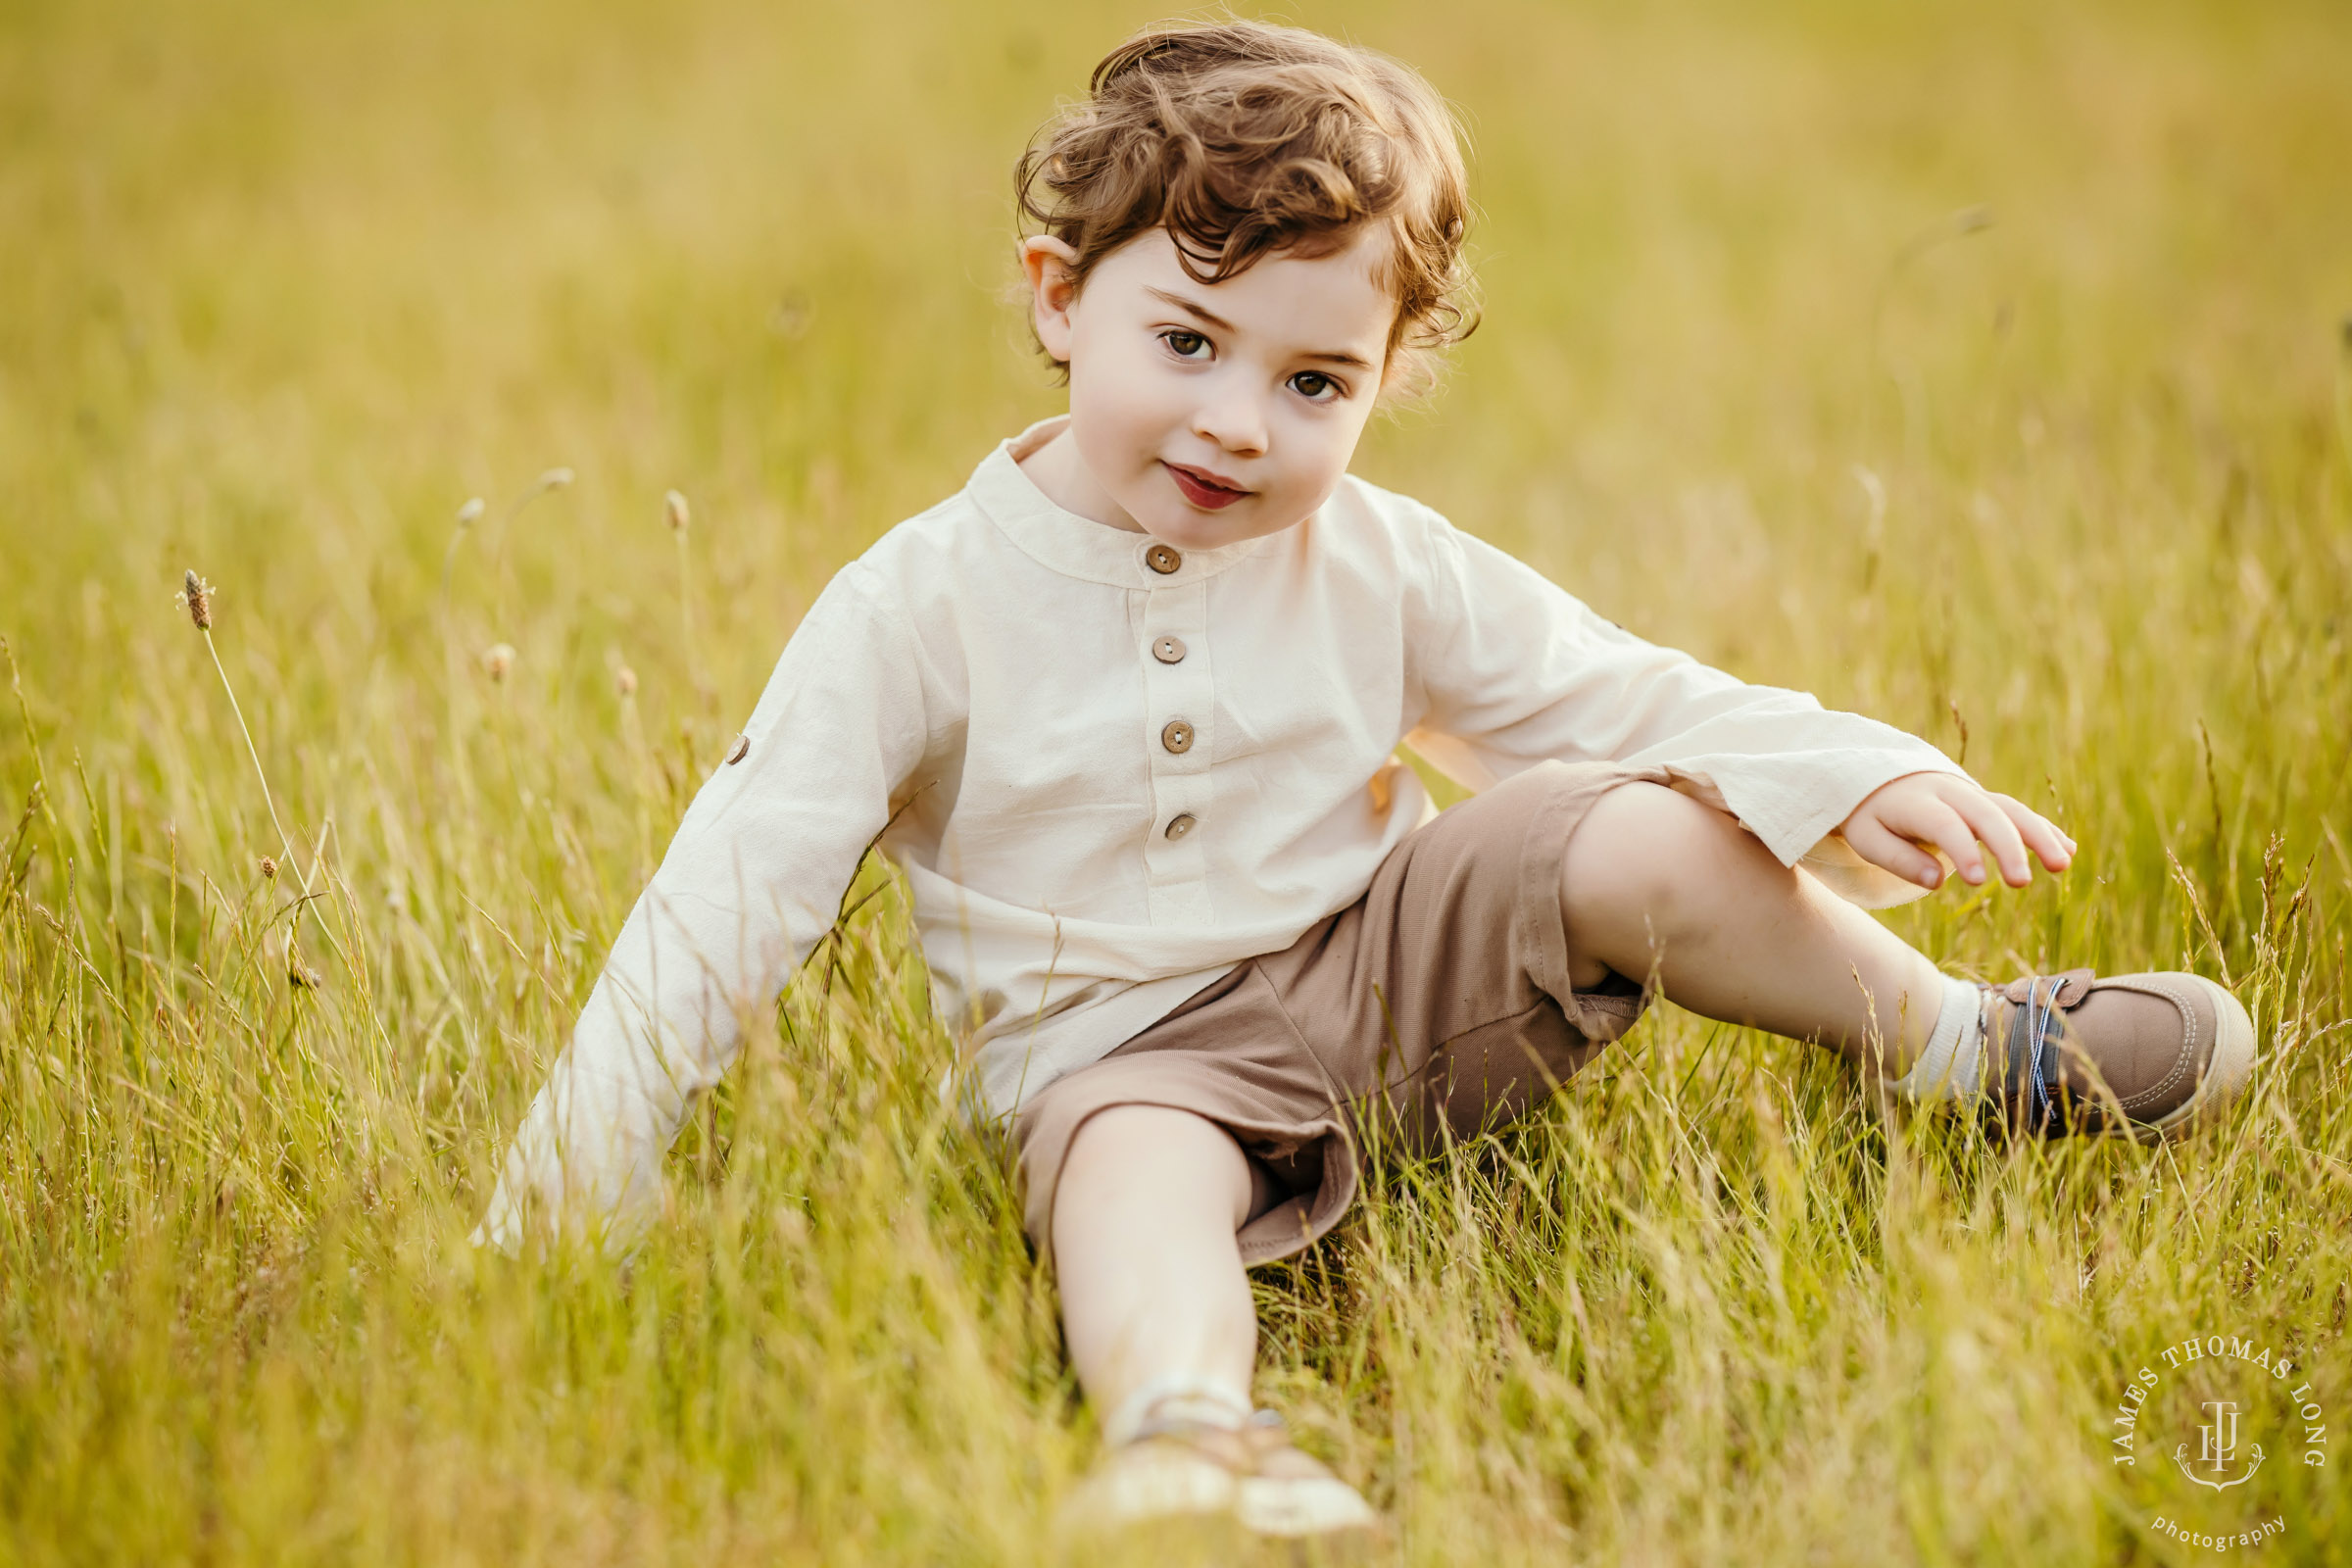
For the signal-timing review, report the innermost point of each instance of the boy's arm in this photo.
(749, 884)
(1514, 670)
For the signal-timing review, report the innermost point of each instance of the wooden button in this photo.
(740, 750)
(1183, 824)
(1177, 736)
(1162, 560)
(1168, 650)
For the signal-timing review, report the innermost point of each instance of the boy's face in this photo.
(1263, 381)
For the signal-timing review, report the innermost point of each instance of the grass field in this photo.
(1981, 367)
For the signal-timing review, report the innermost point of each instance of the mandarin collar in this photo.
(1072, 544)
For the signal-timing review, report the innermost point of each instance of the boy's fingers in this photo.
(1872, 840)
(1931, 820)
(1992, 825)
(2041, 835)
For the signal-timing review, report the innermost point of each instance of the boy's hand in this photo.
(1951, 814)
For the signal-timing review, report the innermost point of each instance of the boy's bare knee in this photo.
(1147, 1126)
(1646, 839)
(1122, 1147)
(1645, 860)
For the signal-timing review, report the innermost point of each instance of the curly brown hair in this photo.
(1245, 140)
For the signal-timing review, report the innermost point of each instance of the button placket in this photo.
(1178, 743)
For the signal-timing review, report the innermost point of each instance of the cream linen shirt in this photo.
(1118, 769)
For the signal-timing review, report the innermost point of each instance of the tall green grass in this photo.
(1976, 367)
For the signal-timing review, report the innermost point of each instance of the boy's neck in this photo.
(1054, 468)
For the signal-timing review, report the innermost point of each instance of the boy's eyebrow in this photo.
(1223, 326)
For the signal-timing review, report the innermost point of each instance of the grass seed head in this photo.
(674, 507)
(470, 512)
(555, 478)
(197, 597)
(497, 660)
(268, 868)
(625, 679)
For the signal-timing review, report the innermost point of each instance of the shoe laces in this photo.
(2036, 1023)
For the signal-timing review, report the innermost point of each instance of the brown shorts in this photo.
(1442, 995)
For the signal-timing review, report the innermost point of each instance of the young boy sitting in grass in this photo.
(1125, 711)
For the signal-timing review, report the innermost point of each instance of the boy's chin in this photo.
(1200, 530)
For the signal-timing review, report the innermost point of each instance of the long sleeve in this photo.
(749, 885)
(1513, 669)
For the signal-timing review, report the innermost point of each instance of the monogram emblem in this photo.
(2217, 1448)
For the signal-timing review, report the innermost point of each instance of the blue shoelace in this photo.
(2032, 1032)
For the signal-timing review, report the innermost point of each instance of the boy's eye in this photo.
(1313, 385)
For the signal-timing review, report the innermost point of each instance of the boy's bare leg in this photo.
(1657, 881)
(1153, 1289)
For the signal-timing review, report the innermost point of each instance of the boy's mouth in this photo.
(1201, 490)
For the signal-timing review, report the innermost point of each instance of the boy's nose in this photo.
(1234, 422)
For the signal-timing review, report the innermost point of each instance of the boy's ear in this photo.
(1053, 289)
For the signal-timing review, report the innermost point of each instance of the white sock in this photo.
(1954, 1060)
(1209, 1400)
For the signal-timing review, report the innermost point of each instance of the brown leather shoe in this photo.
(2147, 1056)
(1288, 1493)
(1193, 1472)
(1183, 1474)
